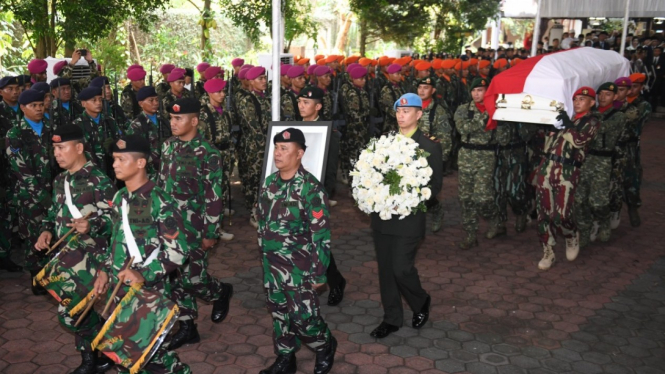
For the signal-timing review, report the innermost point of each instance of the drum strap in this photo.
(129, 236)
(76, 213)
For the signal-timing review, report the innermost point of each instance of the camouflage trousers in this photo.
(192, 281)
(592, 197)
(296, 318)
(632, 176)
(30, 215)
(535, 155)
(250, 173)
(353, 142)
(476, 186)
(5, 229)
(616, 182)
(227, 169)
(510, 182)
(84, 333)
(555, 196)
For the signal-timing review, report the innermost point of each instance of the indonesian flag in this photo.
(557, 76)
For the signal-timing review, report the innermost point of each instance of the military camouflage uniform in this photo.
(191, 172)
(199, 91)
(389, 94)
(510, 177)
(79, 84)
(558, 176)
(156, 224)
(446, 92)
(477, 160)
(156, 133)
(619, 159)
(216, 129)
(592, 198)
(129, 103)
(355, 103)
(326, 106)
(629, 143)
(8, 119)
(536, 151)
(97, 136)
(162, 88)
(289, 104)
(169, 98)
(436, 122)
(29, 159)
(91, 192)
(294, 235)
(62, 115)
(114, 110)
(254, 113)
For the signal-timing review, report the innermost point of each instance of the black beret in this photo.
(41, 86)
(24, 79)
(88, 93)
(608, 86)
(145, 92)
(58, 82)
(30, 96)
(99, 82)
(290, 135)
(427, 80)
(184, 106)
(67, 133)
(312, 92)
(6, 81)
(132, 143)
(189, 72)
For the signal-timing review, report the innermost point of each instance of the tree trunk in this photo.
(344, 32)
(204, 39)
(363, 37)
(133, 48)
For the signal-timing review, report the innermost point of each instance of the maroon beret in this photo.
(214, 85)
(322, 70)
(135, 66)
(136, 74)
(57, 68)
(255, 72)
(237, 62)
(242, 73)
(166, 68)
(212, 71)
(284, 69)
(394, 68)
(358, 72)
(37, 66)
(295, 71)
(202, 67)
(311, 68)
(176, 74)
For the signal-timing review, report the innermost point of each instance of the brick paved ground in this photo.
(492, 310)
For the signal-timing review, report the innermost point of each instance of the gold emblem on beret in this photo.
(121, 144)
(585, 92)
(611, 87)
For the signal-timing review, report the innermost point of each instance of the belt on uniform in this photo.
(565, 161)
(512, 146)
(596, 152)
(479, 147)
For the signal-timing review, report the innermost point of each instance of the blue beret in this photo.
(30, 96)
(408, 100)
(58, 82)
(6, 81)
(88, 93)
(99, 82)
(145, 92)
(41, 86)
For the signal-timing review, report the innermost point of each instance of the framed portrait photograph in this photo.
(317, 138)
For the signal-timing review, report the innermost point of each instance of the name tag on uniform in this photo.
(290, 204)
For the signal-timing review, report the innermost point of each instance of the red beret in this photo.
(214, 85)
(295, 71)
(166, 68)
(322, 70)
(255, 72)
(237, 62)
(500, 63)
(482, 64)
(58, 67)
(212, 71)
(448, 64)
(202, 67)
(303, 61)
(357, 72)
(136, 74)
(37, 66)
(176, 74)
(585, 91)
(423, 65)
(394, 68)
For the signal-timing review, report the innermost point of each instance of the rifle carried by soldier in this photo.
(375, 121)
(338, 120)
(54, 125)
(150, 78)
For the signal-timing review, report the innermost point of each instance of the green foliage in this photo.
(398, 21)
(110, 51)
(14, 51)
(459, 19)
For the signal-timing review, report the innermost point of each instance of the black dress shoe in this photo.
(37, 288)
(104, 364)
(220, 308)
(383, 330)
(336, 294)
(420, 318)
(187, 334)
(9, 265)
(326, 357)
(284, 364)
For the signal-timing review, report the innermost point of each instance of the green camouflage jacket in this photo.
(435, 121)
(355, 104)
(142, 125)
(97, 137)
(289, 104)
(254, 113)
(169, 98)
(389, 94)
(63, 116)
(130, 106)
(471, 124)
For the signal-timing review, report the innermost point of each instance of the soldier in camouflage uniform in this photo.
(163, 87)
(294, 235)
(157, 240)
(254, 113)
(355, 102)
(559, 173)
(100, 130)
(191, 172)
(82, 189)
(64, 69)
(63, 108)
(177, 91)
(28, 149)
(477, 160)
(152, 126)
(592, 199)
(323, 79)
(110, 107)
(199, 91)
(389, 94)
(289, 100)
(435, 122)
(128, 102)
(10, 116)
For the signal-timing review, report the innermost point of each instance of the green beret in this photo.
(479, 82)
(608, 86)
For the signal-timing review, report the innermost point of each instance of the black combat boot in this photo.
(284, 364)
(9, 265)
(88, 363)
(104, 364)
(187, 334)
(326, 357)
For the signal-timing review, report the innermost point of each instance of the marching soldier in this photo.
(146, 220)
(294, 236)
(389, 94)
(128, 102)
(152, 126)
(592, 198)
(355, 102)
(177, 91)
(558, 176)
(476, 161)
(64, 109)
(289, 99)
(27, 147)
(82, 189)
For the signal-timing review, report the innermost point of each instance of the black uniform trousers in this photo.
(398, 276)
(333, 275)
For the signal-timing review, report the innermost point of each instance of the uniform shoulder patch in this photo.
(318, 214)
(171, 223)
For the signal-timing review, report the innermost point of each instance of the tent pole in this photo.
(624, 34)
(276, 63)
(536, 32)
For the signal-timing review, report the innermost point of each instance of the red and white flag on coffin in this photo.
(557, 76)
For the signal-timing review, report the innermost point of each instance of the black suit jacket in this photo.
(414, 224)
(605, 45)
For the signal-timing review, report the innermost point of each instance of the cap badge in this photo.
(403, 101)
(585, 92)
(286, 135)
(56, 138)
(612, 87)
(483, 82)
(176, 108)
(121, 144)
(309, 94)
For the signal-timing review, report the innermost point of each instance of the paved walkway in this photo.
(492, 310)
